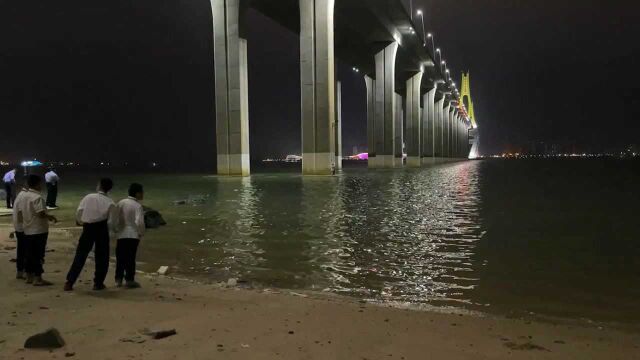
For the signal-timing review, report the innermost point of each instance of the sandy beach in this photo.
(218, 322)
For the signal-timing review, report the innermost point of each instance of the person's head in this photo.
(136, 191)
(105, 185)
(34, 182)
(51, 168)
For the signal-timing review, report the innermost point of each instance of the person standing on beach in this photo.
(97, 215)
(130, 230)
(35, 223)
(21, 245)
(52, 179)
(9, 180)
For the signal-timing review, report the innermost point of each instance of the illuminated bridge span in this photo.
(409, 89)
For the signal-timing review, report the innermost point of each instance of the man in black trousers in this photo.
(9, 180)
(52, 179)
(97, 215)
(21, 245)
(35, 224)
(130, 231)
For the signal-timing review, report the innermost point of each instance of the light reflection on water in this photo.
(556, 238)
(551, 237)
(401, 236)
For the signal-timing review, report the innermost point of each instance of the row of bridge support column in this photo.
(433, 127)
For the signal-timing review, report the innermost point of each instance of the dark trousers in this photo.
(92, 234)
(126, 251)
(52, 194)
(11, 194)
(21, 251)
(36, 245)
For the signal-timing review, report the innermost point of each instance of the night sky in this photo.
(133, 80)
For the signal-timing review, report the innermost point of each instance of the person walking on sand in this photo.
(35, 223)
(9, 180)
(130, 230)
(96, 213)
(52, 179)
(21, 246)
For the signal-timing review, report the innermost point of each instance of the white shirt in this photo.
(17, 214)
(10, 177)
(51, 178)
(130, 219)
(95, 208)
(32, 205)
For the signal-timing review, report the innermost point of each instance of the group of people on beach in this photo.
(50, 178)
(99, 217)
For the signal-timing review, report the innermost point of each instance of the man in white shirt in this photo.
(52, 179)
(35, 223)
(9, 180)
(21, 246)
(130, 231)
(97, 215)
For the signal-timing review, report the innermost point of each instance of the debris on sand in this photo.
(163, 270)
(525, 346)
(50, 339)
(159, 334)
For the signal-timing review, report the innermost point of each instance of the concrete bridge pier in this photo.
(444, 130)
(428, 129)
(460, 135)
(232, 87)
(317, 77)
(414, 123)
(338, 127)
(454, 133)
(371, 119)
(398, 144)
(437, 134)
(384, 119)
(452, 115)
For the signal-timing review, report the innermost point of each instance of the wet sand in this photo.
(215, 322)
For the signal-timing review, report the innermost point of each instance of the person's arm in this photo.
(140, 221)
(40, 208)
(113, 218)
(79, 213)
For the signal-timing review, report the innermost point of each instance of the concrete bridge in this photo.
(408, 86)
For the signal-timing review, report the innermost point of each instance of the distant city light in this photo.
(30, 163)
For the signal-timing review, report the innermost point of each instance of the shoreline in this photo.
(267, 323)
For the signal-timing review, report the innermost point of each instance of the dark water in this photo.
(553, 237)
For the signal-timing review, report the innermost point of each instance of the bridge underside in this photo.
(374, 36)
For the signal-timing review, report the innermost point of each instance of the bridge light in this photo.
(447, 71)
(429, 35)
(419, 12)
(443, 62)
(438, 50)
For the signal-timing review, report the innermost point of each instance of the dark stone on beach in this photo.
(559, 342)
(13, 260)
(49, 339)
(69, 354)
(157, 335)
(153, 219)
